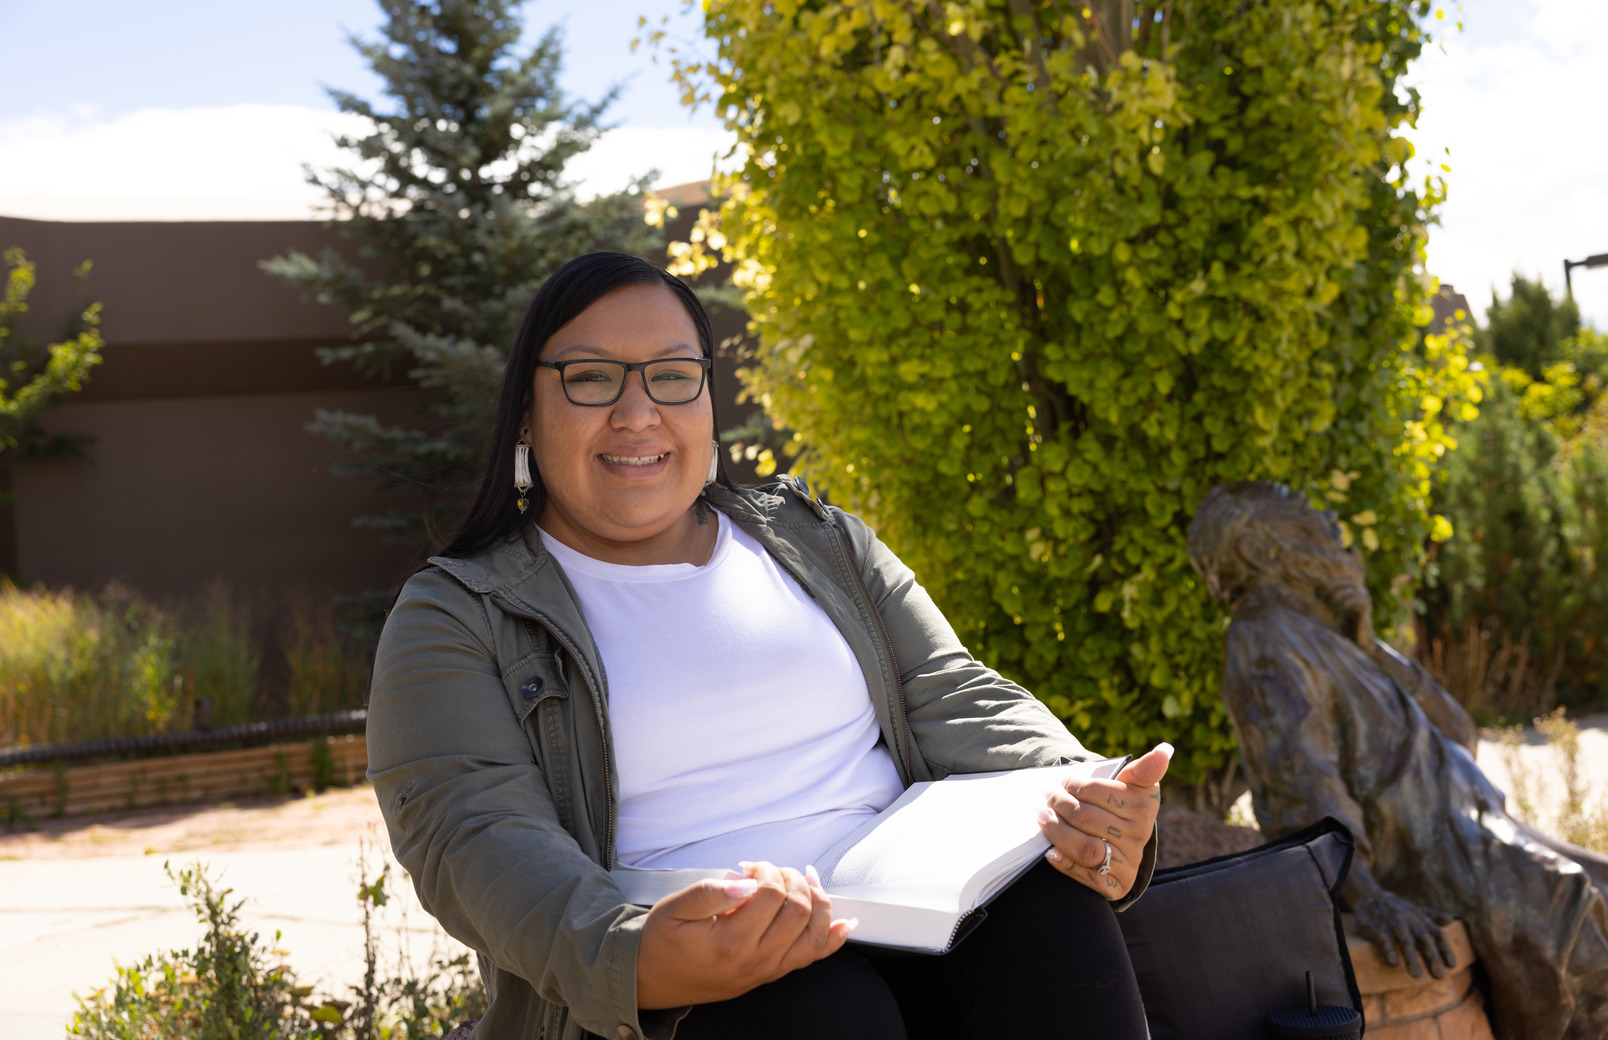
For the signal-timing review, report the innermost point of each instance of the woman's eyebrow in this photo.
(587, 350)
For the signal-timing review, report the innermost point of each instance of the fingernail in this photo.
(1045, 817)
(812, 876)
(741, 889)
(853, 923)
(1166, 749)
(1054, 855)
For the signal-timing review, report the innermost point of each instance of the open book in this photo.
(919, 873)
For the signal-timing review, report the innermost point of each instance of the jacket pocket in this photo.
(540, 698)
(532, 680)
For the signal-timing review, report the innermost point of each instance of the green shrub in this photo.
(1516, 609)
(230, 987)
(1029, 278)
(233, 986)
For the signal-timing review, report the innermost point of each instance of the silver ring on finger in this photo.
(1105, 864)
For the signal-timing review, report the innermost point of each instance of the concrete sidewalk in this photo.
(68, 916)
(1543, 765)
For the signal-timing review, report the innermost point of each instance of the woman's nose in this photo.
(635, 409)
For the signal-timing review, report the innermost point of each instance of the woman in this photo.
(621, 659)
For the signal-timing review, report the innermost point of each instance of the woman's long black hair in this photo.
(567, 292)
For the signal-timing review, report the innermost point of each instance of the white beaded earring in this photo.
(522, 481)
(714, 463)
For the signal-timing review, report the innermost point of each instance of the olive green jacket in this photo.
(490, 749)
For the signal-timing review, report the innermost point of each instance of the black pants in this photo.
(1047, 962)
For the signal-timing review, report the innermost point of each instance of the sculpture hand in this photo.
(1401, 928)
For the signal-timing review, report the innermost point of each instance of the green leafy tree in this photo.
(33, 376)
(455, 209)
(1030, 277)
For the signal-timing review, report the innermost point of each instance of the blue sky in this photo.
(119, 56)
(189, 109)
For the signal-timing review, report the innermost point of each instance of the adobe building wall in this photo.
(177, 492)
(199, 467)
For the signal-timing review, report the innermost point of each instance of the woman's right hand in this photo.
(715, 939)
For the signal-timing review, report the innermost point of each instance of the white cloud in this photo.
(235, 162)
(1520, 110)
(680, 154)
(244, 162)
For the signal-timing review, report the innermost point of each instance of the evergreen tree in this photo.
(1529, 330)
(456, 209)
(1526, 495)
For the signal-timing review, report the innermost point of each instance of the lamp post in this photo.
(1600, 260)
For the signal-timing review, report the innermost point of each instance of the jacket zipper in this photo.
(887, 644)
(597, 713)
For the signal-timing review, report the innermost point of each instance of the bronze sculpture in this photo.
(1332, 722)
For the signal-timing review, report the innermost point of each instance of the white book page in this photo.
(892, 924)
(943, 843)
(882, 923)
(645, 886)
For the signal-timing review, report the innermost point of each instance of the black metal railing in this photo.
(192, 740)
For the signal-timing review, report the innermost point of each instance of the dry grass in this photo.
(1495, 678)
(218, 653)
(75, 666)
(78, 667)
(328, 670)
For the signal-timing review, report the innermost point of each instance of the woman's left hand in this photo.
(1088, 816)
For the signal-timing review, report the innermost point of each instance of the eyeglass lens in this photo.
(669, 381)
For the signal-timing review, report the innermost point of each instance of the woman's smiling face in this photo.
(622, 479)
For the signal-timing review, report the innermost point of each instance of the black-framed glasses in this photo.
(595, 382)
